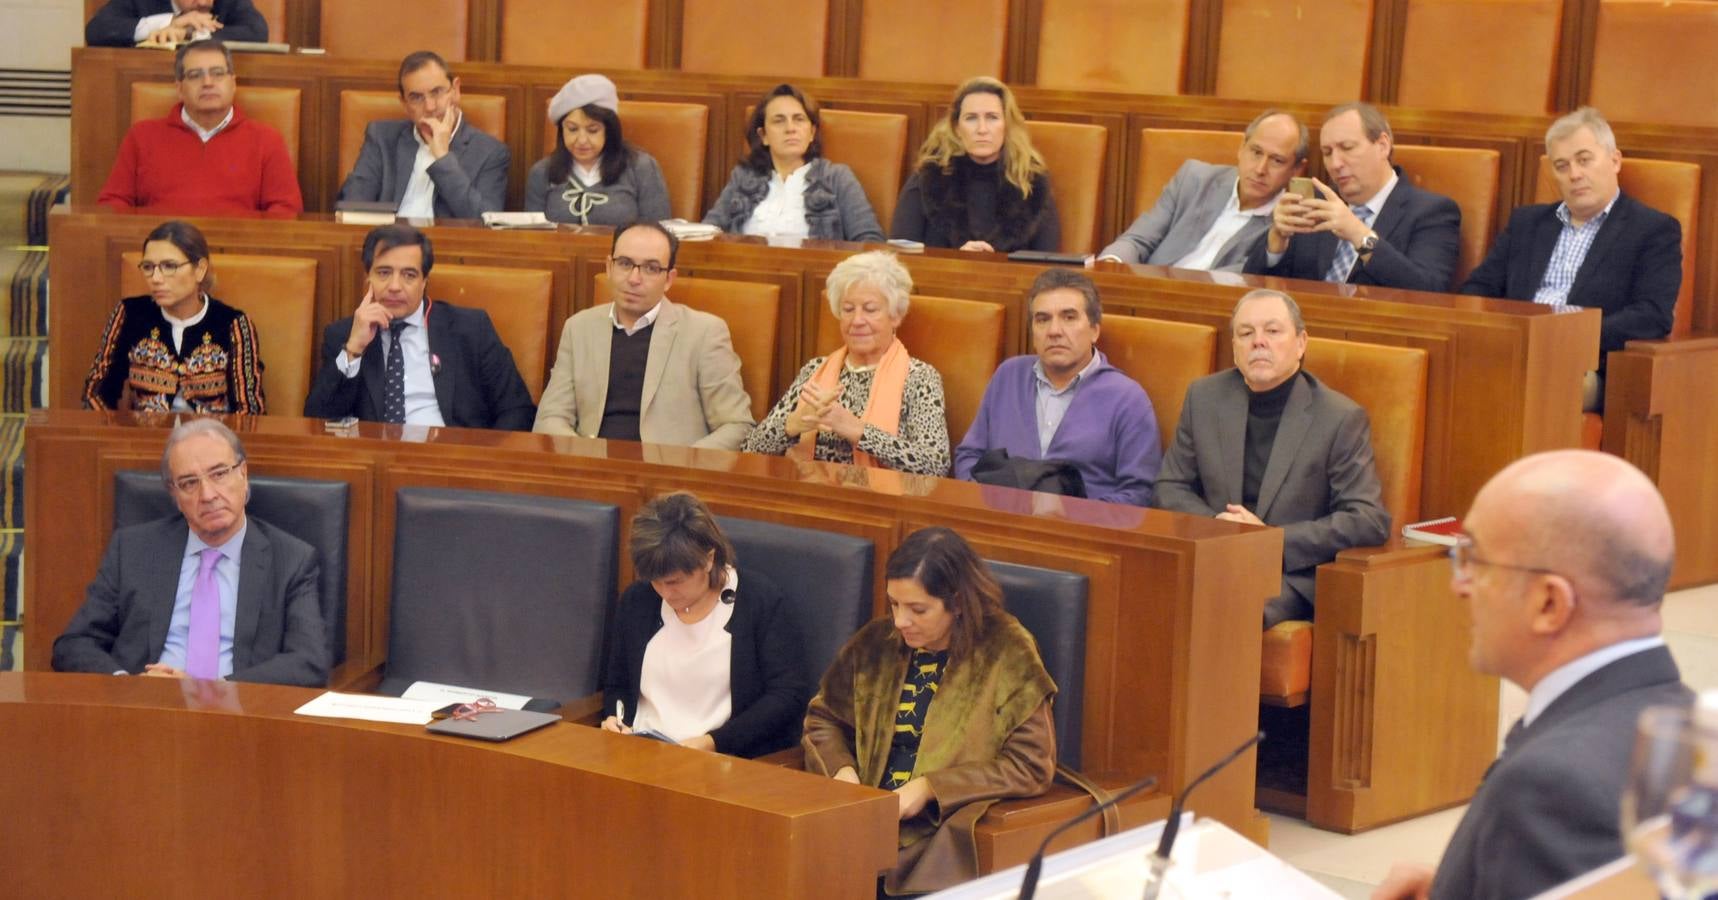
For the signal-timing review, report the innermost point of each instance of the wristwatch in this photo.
(1367, 244)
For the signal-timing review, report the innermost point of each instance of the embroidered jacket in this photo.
(217, 369)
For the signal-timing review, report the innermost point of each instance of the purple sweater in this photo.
(1109, 432)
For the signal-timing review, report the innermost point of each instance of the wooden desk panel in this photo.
(224, 790)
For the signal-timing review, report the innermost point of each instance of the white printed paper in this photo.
(334, 705)
(444, 694)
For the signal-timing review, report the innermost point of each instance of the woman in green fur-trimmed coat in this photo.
(946, 703)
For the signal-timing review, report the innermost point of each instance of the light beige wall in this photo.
(38, 34)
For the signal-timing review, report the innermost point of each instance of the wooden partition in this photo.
(100, 114)
(1172, 628)
(253, 800)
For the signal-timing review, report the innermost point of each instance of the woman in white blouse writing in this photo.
(698, 650)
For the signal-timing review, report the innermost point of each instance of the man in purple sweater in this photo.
(1067, 402)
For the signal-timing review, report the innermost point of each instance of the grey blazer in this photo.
(278, 635)
(1320, 485)
(1548, 809)
(1187, 208)
(836, 208)
(640, 193)
(469, 181)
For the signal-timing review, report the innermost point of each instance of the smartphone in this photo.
(1303, 187)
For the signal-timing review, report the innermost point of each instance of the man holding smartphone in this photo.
(1374, 227)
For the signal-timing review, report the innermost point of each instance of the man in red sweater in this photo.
(205, 157)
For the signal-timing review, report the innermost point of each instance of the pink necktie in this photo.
(203, 644)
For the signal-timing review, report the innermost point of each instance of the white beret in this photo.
(583, 91)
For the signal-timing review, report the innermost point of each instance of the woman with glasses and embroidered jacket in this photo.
(176, 348)
(593, 176)
(785, 188)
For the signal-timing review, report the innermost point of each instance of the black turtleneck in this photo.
(1264, 414)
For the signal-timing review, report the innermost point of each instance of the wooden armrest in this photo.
(1011, 830)
(584, 710)
(787, 758)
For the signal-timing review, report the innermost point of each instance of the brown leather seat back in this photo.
(1075, 155)
(1163, 150)
(352, 29)
(488, 112)
(1668, 186)
(1282, 50)
(675, 134)
(611, 34)
(1138, 46)
(1496, 56)
(274, 13)
(1164, 357)
(1654, 61)
(947, 41)
(1390, 384)
(874, 146)
(278, 295)
(722, 37)
(752, 310)
(276, 107)
(517, 301)
(1467, 175)
(961, 339)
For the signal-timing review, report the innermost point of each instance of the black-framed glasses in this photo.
(167, 267)
(1464, 556)
(623, 266)
(219, 475)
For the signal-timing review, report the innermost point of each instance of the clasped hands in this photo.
(1235, 512)
(1295, 214)
(914, 796)
(821, 410)
(184, 26)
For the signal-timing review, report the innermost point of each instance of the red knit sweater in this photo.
(164, 165)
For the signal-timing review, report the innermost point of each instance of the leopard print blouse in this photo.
(921, 447)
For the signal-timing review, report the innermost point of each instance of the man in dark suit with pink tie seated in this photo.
(211, 593)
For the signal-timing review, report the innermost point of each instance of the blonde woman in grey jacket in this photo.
(784, 188)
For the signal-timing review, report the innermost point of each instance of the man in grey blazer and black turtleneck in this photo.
(1209, 216)
(1563, 565)
(432, 164)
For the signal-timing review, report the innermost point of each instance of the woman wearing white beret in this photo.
(593, 176)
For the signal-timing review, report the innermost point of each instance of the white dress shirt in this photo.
(419, 200)
(421, 408)
(643, 322)
(226, 582)
(683, 688)
(782, 211)
(206, 134)
(1228, 224)
(1570, 673)
(179, 325)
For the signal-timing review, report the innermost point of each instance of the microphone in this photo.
(1159, 860)
(1029, 884)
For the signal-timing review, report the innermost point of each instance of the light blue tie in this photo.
(1345, 255)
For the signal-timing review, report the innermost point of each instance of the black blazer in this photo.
(1419, 243)
(764, 666)
(477, 385)
(1632, 271)
(278, 635)
(1547, 809)
(115, 24)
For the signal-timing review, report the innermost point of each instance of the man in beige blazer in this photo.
(642, 368)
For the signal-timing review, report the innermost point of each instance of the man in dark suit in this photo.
(211, 594)
(1209, 217)
(1374, 228)
(439, 364)
(1563, 565)
(1598, 248)
(126, 23)
(432, 163)
(1268, 444)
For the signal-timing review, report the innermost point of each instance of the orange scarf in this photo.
(882, 408)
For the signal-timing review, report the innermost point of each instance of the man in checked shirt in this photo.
(1597, 248)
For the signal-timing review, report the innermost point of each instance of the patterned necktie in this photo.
(394, 377)
(203, 643)
(1345, 255)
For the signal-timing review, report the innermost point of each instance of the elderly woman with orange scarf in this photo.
(868, 403)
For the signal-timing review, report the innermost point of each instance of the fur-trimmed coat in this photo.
(973, 202)
(836, 208)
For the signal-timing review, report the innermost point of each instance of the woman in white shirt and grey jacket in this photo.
(784, 188)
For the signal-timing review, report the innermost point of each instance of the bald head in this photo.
(1591, 516)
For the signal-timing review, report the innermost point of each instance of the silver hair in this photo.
(877, 268)
(191, 428)
(1586, 117)
(1258, 293)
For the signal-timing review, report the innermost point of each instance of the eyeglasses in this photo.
(188, 484)
(1464, 556)
(167, 268)
(417, 99)
(623, 266)
(215, 74)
